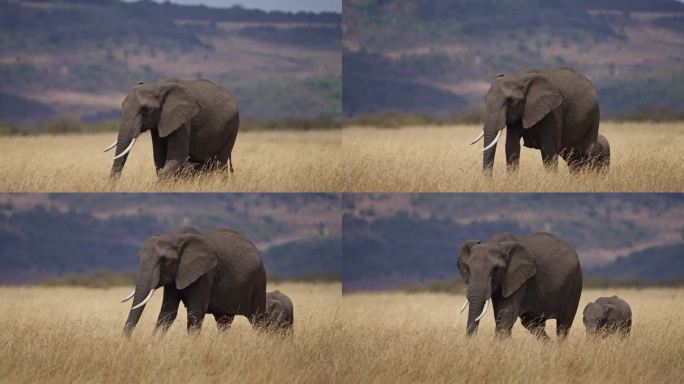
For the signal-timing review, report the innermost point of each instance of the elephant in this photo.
(555, 111)
(608, 315)
(535, 277)
(279, 311)
(191, 122)
(217, 272)
(602, 153)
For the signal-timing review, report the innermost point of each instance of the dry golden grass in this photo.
(644, 157)
(292, 161)
(69, 335)
(420, 338)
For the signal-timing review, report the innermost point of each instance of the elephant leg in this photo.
(512, 149)
(158, 150)
(506, 312)
(231, 143)
(574, 160)
(535, 324)
(169, 309)
(177, 152)
(549, 158)
(196, 300)
(562, 328)
(223, 322)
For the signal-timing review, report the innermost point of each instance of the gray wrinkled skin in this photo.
(216, 272)
(279, 312)
(608, 315)
(555, 111)
(534, 277)
(193, 125)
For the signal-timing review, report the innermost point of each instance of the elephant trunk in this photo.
(130, 128)
(143, 292)
(495, 121)
(477, 299)
(488, 155)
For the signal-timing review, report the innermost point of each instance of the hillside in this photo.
(60, 234)
(81, 57)
(443, 53)
(656, 264)
(391, 241)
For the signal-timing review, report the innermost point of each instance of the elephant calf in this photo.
(279, 311)
(608, 315)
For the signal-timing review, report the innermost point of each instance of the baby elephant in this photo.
(279, 312)
(608, 315)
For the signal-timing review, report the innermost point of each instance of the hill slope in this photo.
(54, 235)
(81, 57)
(394, 240)
(633, 51)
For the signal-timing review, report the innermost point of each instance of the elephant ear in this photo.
(179, 106)
(521, 267)
(463, 257)
(197, 257)
(541, 98)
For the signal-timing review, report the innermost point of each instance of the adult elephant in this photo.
(535, 277)
(555, 111)
(193, 122)
(218, 272)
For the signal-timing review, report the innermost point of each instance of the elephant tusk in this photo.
(111, 146)
(128, 297)
(484, 310)
(493, 143)
(478, 138)
(144, 301)
(465, 304)
(125, 150)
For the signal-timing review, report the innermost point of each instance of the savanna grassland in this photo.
(67, 335)
(410, 338)
(645, 157)
(264, 161)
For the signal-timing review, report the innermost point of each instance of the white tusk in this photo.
(484, 310)
(110, 147)
(144, 301)
(129, 148)
(493, 143)
(465, 304)
(128, 297)
(477, 139)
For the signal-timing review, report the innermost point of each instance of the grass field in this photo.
(644, 157)
(420, 338)
(269, 161)
(73, 335)
(68, 335)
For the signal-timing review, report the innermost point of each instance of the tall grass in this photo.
(644, 157)
(67, 335)
(409, 338)
(268, 161)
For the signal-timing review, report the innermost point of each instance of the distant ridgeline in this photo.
(48, 242)
(79, 57)
(438, 56)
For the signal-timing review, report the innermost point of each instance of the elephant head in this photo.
(178, 259)
(164, 106)
(597, 316)
(520, 99)
(492, 267)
